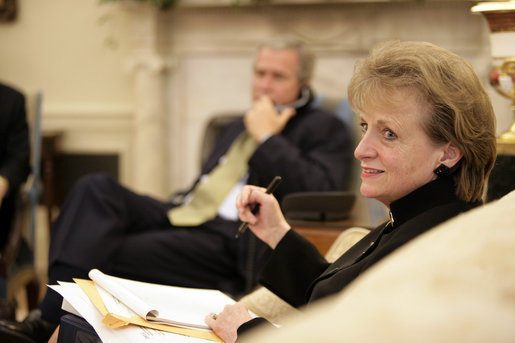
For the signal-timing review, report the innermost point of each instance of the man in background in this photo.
(14, 167)
(191, 242)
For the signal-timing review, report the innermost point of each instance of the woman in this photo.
(427, 148)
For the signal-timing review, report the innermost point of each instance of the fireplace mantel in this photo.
(243, 3)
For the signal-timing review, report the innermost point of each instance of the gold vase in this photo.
(501, 20)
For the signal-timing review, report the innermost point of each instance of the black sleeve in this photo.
(251, 324)
(294, 264)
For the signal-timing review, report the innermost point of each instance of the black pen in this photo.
(270, 189)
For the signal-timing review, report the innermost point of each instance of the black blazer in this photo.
(297, 273)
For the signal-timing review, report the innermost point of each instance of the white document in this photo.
(75, 297)
(178, 306)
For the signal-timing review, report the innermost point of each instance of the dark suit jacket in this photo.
(299, 274)
(14, 137)
(14, 152)
(312, 153)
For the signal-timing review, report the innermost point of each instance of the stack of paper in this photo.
(122, 310)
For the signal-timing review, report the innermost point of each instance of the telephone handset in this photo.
(305, 95)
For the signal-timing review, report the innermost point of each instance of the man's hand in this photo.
(262, 120)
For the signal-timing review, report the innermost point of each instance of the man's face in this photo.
(275, 75)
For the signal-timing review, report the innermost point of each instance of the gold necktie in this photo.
(210, 192)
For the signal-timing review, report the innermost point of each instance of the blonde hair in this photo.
(459, 110)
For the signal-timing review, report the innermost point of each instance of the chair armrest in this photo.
(344, 241)
(318, 206)
(263, 303)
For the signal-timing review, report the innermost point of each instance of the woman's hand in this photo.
(225, 324)
(268, 224)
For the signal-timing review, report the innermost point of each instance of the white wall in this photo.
(62, 47)
(73, 51)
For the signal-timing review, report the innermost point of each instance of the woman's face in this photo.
(396, 155)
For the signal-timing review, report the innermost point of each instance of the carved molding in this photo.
(149, 67)
(270, 3)
(154, 63)
(329, 29)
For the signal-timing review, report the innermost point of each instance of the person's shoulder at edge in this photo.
(9, 90)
